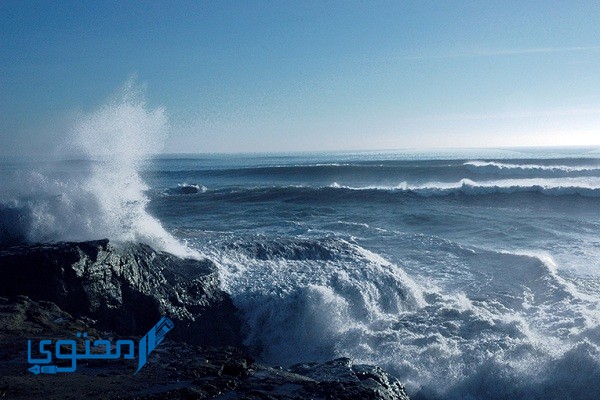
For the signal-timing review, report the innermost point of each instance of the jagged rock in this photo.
(350, 381)
(125, 288)
(114, 291)
(174, 371)
(22, 316)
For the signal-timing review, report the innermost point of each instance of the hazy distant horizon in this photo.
(451, 153)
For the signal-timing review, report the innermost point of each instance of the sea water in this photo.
(468, 274)
(465, 273)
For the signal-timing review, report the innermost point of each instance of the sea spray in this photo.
(529, 336)
(308, 301)
(102, 195)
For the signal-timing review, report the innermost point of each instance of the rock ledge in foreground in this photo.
(125, 288)
(53, 291)
(174, 371)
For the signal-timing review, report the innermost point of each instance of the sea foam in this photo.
(583, 186)
(526, 169)
(314, 299)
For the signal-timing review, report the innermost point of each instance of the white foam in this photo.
(441, 343)
(314, 306)
(105, 197)
(584, 186)
(509, 168)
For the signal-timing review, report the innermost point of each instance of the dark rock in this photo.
(25, 317)
(349, 381)
(126, 288)
(190, 189)
(237, 367)
(174, 371)
(186, 189)
(54, 291)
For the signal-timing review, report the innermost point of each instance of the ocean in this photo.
(468, 274)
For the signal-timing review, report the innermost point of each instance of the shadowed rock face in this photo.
(175, 370)
(125, 288)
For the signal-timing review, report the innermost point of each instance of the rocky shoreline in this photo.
(53, 291)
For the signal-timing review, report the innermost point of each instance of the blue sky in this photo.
(301, 76)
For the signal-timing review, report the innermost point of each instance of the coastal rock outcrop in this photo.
(124, 288)
(174, 371)
(53, 291)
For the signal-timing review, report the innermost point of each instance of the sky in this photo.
(266, 76)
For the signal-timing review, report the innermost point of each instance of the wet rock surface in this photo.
(53, 292)
(124, 288)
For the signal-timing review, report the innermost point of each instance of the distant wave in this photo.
(555, 187)
(386, 172)
(552, 187)
(492, 167)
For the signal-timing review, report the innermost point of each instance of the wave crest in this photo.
(588, 187)
(313, 295)
(499, 168)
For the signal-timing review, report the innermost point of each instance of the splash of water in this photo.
(105, 197)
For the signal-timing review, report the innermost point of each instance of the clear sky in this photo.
(303, 75)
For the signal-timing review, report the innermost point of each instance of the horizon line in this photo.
(501, 52)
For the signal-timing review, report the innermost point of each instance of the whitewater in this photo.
(468, 274)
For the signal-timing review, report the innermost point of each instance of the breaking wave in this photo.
(555, 187)
(527, 335)
(305, 298)
(492, 167)
(589, 187)
(99, 196)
